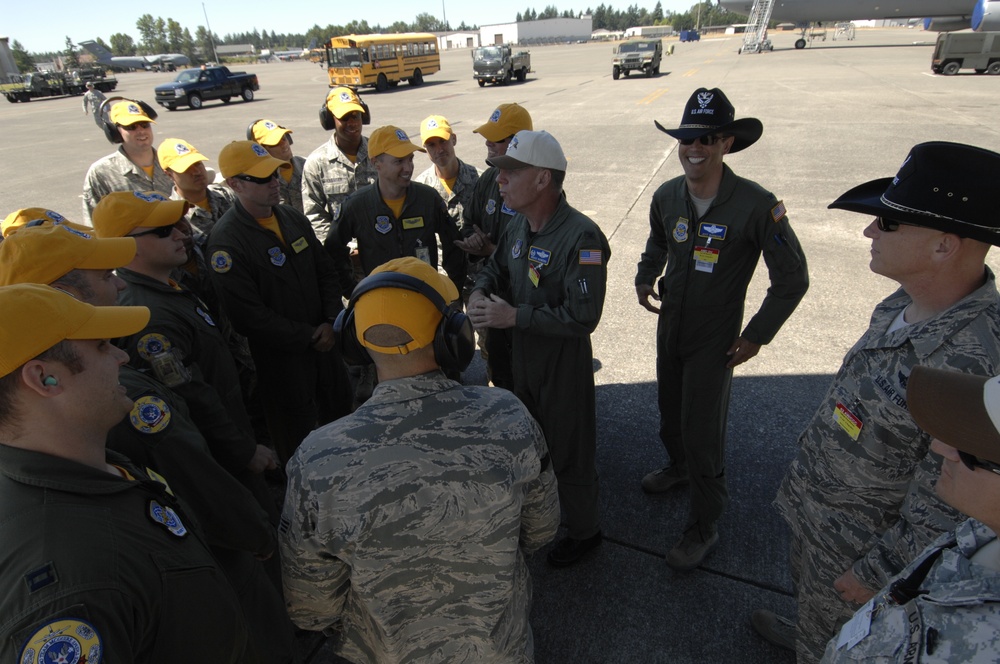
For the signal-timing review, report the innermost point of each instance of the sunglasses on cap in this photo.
(889, 225)
(709, 139)
(135, 125)
(250, 178)
(971, 462)
(161, 232)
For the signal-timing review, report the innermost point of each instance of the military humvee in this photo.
(641, 55)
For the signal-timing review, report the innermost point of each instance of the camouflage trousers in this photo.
(821, 611)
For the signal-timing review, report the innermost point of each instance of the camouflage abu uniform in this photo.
(116, 172)
(291, 191)
(840, 495)
(460, 195)
(220, 199)
(956, 616)
(328, 177)
(406, 524)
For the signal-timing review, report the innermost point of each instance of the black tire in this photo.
(482, 83)
(656, 70)
(417, 78)
(522, 74)
(170, 107)
(951, 68)
(625, 73)
(994, 68)
(615, 73)
(226, 99)
(194, 101)
(381, 83)
(800, 43)
(506, 77)
(247, 94)
(649, 72)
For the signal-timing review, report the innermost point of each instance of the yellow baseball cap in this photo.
(248, 158)
(408, 310)
(38, 317)
(178, 155)
(121, 212)
(506, 120)
(392, 141)
(127, 112)
(342, 101)
(435, 126)
(268, 132)
(43, 254)
(36, 217)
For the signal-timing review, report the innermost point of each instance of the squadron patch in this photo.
(149, 415)
(515, 251)
(222, 262)
(277, 256)
(258, 150)
(681, 230)
(166, 517)
(491, 206)
(495, 116)
(382, 224)
(508, 210)
(152, 344)
(205, 316)
(64, 640)
(335, 210)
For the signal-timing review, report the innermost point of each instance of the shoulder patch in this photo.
(152, 344)
(149, 415)
(591, 256)
(778, 211)
(222, 262)
(63, 640)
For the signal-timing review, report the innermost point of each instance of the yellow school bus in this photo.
(382, 61)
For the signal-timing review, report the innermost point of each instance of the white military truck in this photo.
(499, 64)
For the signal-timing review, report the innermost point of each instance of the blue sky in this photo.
(44, 27)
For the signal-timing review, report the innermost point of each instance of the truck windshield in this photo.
(345, 57)
(188, 76)
(636, 46)
(488, 54)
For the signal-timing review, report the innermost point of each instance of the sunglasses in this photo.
(135, 125)
(162, 232)
(250, 178)
(972, 462)
(710, 139)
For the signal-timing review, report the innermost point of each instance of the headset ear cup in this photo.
(346, 335)
(326, 118)
(147, 109)
(366, 117)
(454, 342)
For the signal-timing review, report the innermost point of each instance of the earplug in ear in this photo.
(50, 381)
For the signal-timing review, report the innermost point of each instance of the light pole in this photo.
(211, 39)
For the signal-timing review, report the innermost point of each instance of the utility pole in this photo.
(211, 38)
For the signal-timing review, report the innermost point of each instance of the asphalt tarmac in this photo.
(835, 114)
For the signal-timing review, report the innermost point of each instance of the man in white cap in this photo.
(859, 496)
(340, 166)
(101, 562)
(406, 524)
(281, 291)
(277, 140)
(944, 607)
(708, 228)
(133, 166)
(552, 261)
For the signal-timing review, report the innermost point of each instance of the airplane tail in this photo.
(102, 54)
(312, 45)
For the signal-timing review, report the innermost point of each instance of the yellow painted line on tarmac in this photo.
(690, 72)
(653, 96)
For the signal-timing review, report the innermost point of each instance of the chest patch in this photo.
(539, 255)
(412, 222)
(712, 231)
(491, 206)
(205, 316)
(165, 516)
(382, 224)
(681, 228)
(277, 256)
(299, 245)
(515, 251)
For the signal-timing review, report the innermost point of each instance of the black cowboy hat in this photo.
(949, 187)
(709, 112)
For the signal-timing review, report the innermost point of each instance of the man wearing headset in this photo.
(406, 523)
(341, 165)
(133, 166)
(277, 140)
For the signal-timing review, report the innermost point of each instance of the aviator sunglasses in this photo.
(161, 232)
(250, 178)
(710, 139)
(972, 462)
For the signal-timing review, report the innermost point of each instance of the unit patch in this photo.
(205, 316)
(149, 415)
(491, 206)
(150, 345)
(508, 210)
(515, 251)
(681, 230)
(64, 640)
(382, 224)
(166, 517)
(222, 262)
(277, 256)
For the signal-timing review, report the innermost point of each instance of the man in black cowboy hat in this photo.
(859, 496)
(709, 227)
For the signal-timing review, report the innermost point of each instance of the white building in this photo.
(461, 39)
(544, 31)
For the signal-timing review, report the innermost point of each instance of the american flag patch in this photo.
(590, 257)
(778, 211)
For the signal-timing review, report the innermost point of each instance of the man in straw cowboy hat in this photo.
(709, 228)
(859, 495)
